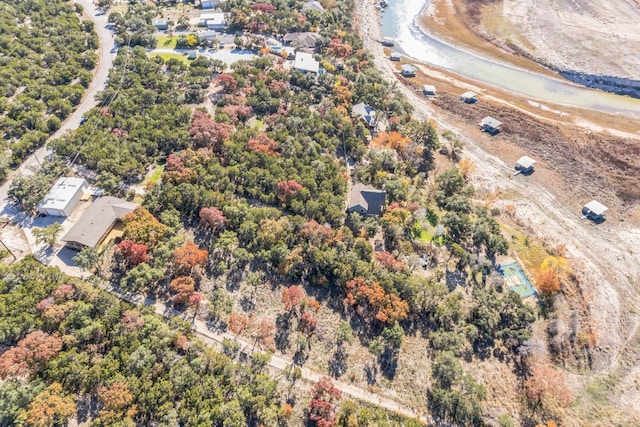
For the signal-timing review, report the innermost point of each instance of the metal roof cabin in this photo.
(429, 90)
(63, 197)
(525, 164)
(594, 210)
(408, 70)
(305, 63)
(395, 56)
(469, 97)
(490, 125)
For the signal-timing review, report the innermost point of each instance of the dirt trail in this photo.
(277, 362)
(608, 252)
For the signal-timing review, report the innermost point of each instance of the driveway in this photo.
(106, 56)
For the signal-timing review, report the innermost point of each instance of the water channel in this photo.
(399, 22)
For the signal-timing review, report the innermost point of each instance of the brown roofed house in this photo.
(366, 200)
(95, 224)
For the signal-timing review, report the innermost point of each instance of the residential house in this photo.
(301, 40)
(312, 5)
(100, 223)
(305, 63)
(160, 24)
(213, 21)
(490, 125)
(63, 197)
(366, 200)
(469, 97)
(408, 70)
(594, 210)
(365, 113)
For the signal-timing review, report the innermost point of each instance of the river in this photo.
(399, 22)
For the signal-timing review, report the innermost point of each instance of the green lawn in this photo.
(529, 251)
(155, 176)
(168, 56)
(166, 42)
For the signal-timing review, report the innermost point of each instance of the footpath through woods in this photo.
(277, 362)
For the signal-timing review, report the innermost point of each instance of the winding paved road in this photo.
(107, 53)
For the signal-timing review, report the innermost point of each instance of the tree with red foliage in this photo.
(388, 261)
(205, 132)
(194, 301)
(308, 324)
(189, 256)
(278, 87)
(263, 334)
(134, 253)
(237, 113)
(183, 287)
(292, 297)
(315, 233)
(212, 218)
(132, 320)
(287, 189)
(263, 7)
(30, 354)
(228, 82)
(321, 407)
(263, 144)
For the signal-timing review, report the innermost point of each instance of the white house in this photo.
(213, 21)
(63, 197)
(304, 62)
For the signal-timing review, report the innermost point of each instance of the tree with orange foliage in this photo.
(237, 323)
(265, 145)
(143, 228)
(547, 386)
(116, 403)
(339, 49)
(392, 140)
(292, 297)
(388, 261)
(262, 334)
(188, 257)
(372, 302)
(31, 353)
(183, 287)
(51, 407)
(548, 282)
(467, 168)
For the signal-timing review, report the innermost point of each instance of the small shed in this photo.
(313, 5)
(161, 24)
(429, 90)
(525, 164)
(387, 41)
(469, 97)
(594, 210)
(395, 56)
(490, 125)
(63, 197)
(408, 70)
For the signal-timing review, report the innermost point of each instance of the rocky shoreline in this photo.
(612, 84)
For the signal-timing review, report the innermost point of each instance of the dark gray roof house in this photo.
(303, 40)
(97, 221)
(366, 200)
(364, 113)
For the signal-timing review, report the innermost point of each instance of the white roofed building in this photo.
(63, 197)
(304, 62)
